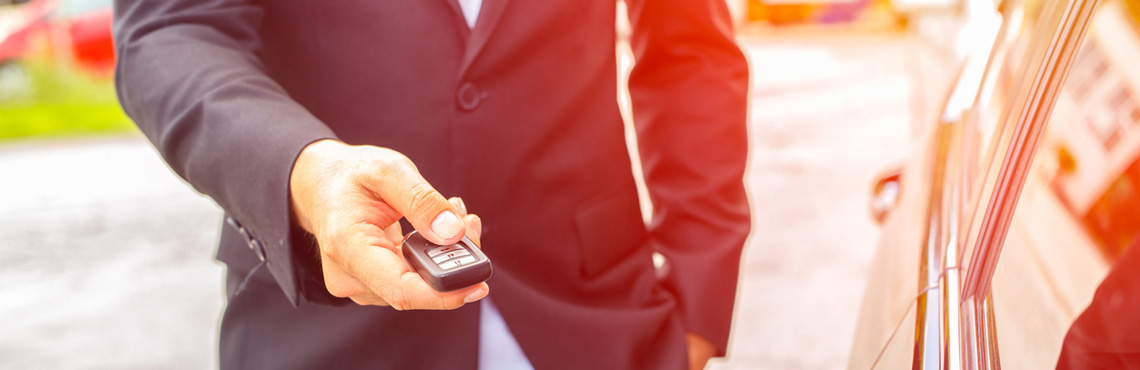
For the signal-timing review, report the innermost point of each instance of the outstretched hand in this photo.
(351, 198)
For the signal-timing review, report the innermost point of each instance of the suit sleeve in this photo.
(689, 89)
(190, 76)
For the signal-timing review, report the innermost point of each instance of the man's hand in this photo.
(700, 351)
(351, 198)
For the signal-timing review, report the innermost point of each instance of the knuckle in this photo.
(422, 196)
(337, 284)
(391, 162)
(449, 304)
(331, 250)
(401, 161)
(394, 297)
(339, 290)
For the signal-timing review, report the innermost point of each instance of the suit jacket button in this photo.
(468, 97)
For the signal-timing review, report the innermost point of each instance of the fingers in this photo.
(379, 269)
(387, 276)
(474, 228)
(400, 185)
(457, 202)
(395, 234)
(420, 295)
(342, 285)
(473, 222)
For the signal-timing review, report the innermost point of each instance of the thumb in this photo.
(406, 191)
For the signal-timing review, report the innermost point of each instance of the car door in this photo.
(973, 196)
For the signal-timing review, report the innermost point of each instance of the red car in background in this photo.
(65, 32)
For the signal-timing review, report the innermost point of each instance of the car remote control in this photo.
(447, 267)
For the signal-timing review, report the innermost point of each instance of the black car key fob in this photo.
(447, 267)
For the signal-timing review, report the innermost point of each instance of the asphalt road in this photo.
(106, 258)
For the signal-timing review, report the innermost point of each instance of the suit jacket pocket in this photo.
(609, 230)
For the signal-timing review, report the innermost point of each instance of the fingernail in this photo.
(446, 225)
(477, 295)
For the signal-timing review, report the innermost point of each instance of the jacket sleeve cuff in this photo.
(288, 252)
(705, 284)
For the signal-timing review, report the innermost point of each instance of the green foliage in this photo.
(39, 98)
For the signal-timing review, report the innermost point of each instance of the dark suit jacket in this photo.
(1104, 335)
(518, 116)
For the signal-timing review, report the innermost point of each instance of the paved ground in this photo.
(106, 257)
(825, 118)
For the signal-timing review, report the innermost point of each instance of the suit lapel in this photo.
(489, 14)
(457, 16)
(454, 5)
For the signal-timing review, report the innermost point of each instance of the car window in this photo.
(1022, 83)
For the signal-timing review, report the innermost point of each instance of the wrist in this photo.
(304, 178)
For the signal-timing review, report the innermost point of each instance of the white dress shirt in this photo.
(498, 349)
(470, 10)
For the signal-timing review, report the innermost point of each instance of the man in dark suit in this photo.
(317, 125)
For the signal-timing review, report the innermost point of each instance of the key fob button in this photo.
(436, 251)
(457, 262)
(444, 257)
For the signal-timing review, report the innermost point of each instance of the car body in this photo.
(71, 32)
(1017, 200)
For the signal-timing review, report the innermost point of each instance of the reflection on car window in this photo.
(1098, 124)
